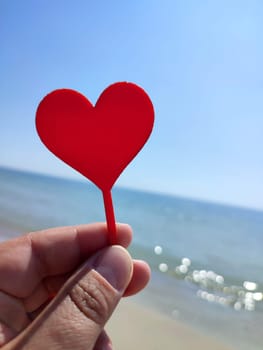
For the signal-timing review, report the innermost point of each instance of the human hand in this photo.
(85, 276)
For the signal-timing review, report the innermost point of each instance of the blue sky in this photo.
(200, 62)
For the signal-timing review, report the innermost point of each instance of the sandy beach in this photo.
(134, 326)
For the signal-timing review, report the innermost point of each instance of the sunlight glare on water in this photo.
(158, 250)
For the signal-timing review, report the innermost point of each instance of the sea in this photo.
(206, 258)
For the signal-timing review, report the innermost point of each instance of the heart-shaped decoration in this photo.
(98, 141)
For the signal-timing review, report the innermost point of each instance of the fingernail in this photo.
(115, 265)
(123, 224)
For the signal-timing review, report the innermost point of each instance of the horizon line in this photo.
(132, 188)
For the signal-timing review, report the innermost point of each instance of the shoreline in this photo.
(135, 326)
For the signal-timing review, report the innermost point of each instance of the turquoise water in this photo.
(206, 258)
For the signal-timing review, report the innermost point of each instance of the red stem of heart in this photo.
(109, 211)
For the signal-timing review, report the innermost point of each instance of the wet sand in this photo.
(135, 327)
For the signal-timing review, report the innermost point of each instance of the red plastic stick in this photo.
(109, 211)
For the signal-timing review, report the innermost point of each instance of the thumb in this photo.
(76, 317)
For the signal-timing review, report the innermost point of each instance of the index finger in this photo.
(26, 260)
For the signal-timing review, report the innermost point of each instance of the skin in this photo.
(35, 267)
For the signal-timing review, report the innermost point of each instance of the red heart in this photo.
(98, 141)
